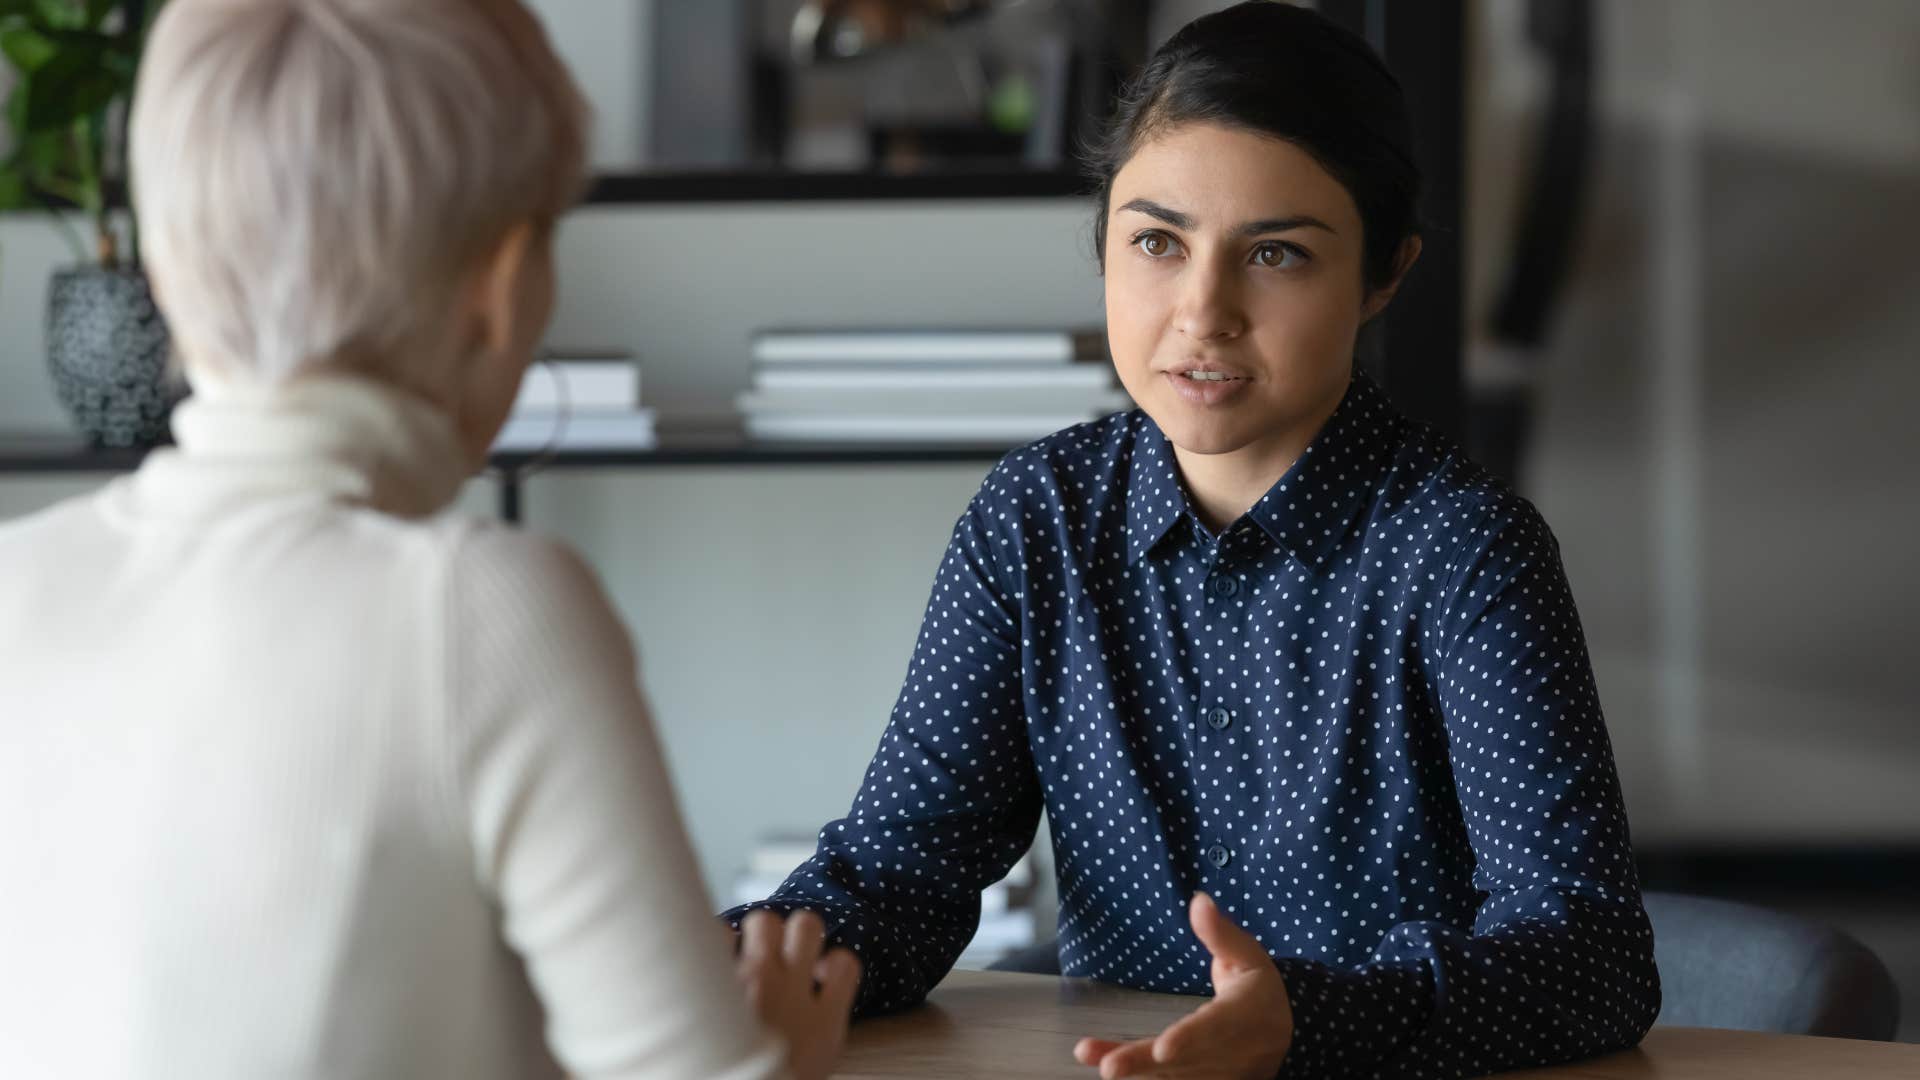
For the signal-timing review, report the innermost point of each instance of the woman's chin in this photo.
(1203, 435)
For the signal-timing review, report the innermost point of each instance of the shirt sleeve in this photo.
(950, 800)
(1559, 962)
(574, 829)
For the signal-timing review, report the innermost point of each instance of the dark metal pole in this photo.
(509, 497)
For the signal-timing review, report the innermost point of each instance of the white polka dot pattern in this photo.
(1362, 718)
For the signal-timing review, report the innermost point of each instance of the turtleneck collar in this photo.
(334, 436)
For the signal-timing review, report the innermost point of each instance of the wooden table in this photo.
(983, 1024)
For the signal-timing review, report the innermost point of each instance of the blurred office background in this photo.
(1689, 243)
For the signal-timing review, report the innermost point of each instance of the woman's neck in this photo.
(331, 433)
(1222, 487)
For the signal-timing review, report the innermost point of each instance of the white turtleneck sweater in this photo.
(302, 777)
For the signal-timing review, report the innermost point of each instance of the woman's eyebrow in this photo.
(1154, 210)
(1284, 224)
(1252, 228)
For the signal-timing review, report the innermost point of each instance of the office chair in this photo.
(1729, 965)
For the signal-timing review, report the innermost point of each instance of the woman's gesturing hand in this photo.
(1243, 1033)
(804, 996)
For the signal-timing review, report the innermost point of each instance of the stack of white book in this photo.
(579, 399)
(768, 864)
(1007, 920)
(967, 386)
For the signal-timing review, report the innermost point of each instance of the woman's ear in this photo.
(1403, 261)
(497, 292)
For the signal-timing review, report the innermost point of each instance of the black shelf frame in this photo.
(53, 456)
(696, 188)
(618, 189)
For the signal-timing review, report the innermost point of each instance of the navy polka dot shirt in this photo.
(1362, 718)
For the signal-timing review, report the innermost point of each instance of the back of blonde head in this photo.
(316, 178)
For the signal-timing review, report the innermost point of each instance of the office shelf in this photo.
(719, 446)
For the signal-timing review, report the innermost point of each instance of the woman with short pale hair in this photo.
(299, 774)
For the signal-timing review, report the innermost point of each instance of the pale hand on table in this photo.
(806, 997)
(1241, 1034)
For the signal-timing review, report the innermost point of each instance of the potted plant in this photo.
(107, 346)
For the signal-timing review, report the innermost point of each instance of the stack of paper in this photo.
(579, 399)
(998, 387)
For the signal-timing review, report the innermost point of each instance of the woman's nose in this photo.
(1210, 309)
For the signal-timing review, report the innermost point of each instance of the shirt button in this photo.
(1222, 587)
(1219, 856)
(1218, 719)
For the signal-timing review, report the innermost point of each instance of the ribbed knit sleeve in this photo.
(574, 827)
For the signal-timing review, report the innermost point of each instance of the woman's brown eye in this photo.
(1273, 256)
(1153, 244)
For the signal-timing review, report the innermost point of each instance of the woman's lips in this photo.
(1207, 392)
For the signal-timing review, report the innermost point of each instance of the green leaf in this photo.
(63, 14)
(123, 65)
(98, 10)
(75, 83)
(14, 194)
(33, 47)
(28, 48)
(17, 109)
(44, 159)
(96, 40)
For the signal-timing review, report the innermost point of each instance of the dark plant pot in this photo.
(107, 347)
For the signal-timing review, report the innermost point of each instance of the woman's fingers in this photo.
(1177, 1041)
(1091, 1051)
(760, 939)
(1224, 939)
(1130, 1059)
(805, 935)
(1176, 1051)
(838, 974)
(805, 996)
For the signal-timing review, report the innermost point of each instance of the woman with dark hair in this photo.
(1302, 691)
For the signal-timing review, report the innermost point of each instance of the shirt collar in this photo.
(1155, 499)
(1307, 512)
